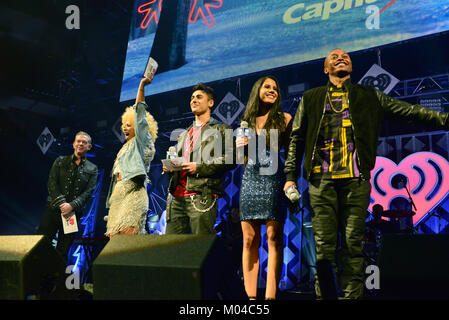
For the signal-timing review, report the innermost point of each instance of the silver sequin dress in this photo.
(261, 195)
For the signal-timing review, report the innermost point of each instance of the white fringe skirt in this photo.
(128, 208)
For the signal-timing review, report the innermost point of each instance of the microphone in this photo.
(171, 153)
(403, 185)
(293, 194)
(241, 133)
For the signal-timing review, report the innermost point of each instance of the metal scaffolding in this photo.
(424, 86)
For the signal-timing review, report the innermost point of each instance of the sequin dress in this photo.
(261, 195)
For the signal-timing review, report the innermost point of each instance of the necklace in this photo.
(342, 104)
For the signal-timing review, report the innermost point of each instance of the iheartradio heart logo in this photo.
(426, 175)
(381, 81)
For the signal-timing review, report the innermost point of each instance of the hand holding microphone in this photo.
(241, 141)
(291, 191)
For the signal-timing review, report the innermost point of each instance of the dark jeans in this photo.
(49, 225)
(341, 205)
(186, 215)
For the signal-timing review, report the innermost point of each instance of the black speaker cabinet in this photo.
(165, 267)
(30, 268)
(414, 266)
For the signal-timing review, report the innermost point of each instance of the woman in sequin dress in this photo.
(262, 200)
(127, 197)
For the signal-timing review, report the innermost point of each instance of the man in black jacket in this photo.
(71, 182)
(336, 128)
(207, 149)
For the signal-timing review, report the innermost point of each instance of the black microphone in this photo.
(403, 184)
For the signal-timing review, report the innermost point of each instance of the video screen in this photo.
(208, 40)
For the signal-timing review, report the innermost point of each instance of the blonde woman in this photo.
(127, 197)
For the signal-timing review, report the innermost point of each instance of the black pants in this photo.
(49, 225)
(341, 204)
(195, 214)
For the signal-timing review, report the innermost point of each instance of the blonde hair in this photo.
(128, 115)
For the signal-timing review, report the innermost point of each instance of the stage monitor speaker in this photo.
(414, 266)
(30, 268)
(166, 267)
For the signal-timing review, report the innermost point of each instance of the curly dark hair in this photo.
(276, 118)
(208, 90)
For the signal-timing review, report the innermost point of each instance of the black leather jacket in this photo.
(209, 176)
(367, 107)
(60, 180)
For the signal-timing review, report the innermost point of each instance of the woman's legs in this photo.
(127, 230)
(275, 234)
(250, 256)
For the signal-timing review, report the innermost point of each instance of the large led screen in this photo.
(207, 40)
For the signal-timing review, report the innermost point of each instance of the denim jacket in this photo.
(136, 161)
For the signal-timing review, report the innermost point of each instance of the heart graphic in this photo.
(427, 174)
(231, 107)
(381, 81)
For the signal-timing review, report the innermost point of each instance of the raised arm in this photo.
(141, 91)
(144, 139)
